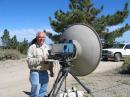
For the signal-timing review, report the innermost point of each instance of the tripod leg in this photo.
(60, 83)
(87, 89)
(55, 83)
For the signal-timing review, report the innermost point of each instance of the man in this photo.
(36, 58)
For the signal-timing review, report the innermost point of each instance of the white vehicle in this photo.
(117, 52)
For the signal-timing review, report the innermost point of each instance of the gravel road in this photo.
(103, 82)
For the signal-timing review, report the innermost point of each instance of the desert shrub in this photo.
(126, 66)
(2, 55)
(9, 54)
(127, 60)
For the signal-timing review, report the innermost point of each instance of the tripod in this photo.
(62, 74)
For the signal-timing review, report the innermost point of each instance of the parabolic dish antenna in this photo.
(88, 48)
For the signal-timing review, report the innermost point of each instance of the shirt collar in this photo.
(38, 46)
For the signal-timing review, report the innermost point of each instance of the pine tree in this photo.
(13, 43)
(83, 11)
(5, 38)
(23, 46)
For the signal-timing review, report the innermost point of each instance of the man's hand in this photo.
(45, 60)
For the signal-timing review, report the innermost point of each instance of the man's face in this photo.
(41, 38)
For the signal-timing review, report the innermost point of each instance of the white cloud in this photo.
(126, 35)
(125, 38)
(112, 28)
(28, 34)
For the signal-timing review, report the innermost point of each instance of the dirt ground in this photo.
(103, 82)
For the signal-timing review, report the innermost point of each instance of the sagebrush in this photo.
(9, 54)
(126, 66)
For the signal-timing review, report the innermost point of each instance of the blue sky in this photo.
(24, 18)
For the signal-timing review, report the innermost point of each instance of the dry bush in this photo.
(126, 66)
(9, 54)
(2, 55)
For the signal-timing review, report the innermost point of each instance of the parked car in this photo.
(117, 52)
